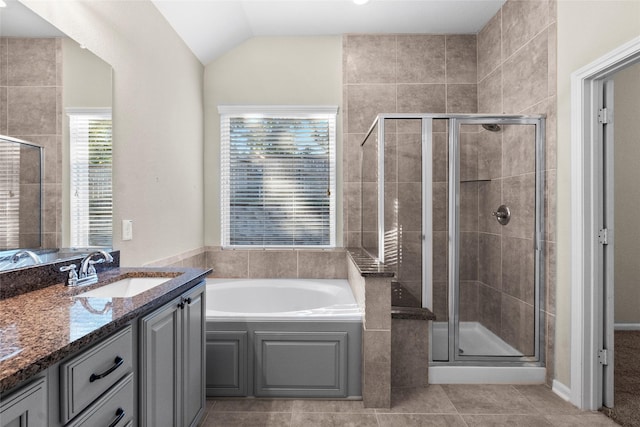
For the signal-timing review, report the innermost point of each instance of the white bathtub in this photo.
(293, 338)
(281, 300)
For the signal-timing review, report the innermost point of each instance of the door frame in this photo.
(586, 162)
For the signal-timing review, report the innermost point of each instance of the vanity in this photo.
(104, 355)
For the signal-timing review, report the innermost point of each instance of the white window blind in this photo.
(91, 208)
(9, 195)
(278, 176)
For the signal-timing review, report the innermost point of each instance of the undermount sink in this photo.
(125, 288)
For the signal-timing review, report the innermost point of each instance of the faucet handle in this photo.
(72, 280)
(92, 268)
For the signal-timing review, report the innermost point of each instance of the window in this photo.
(91, 208)
(278, 176)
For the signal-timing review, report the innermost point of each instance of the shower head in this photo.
(491, 127)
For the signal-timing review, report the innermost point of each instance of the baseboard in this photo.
(626, 326)
(561, 390)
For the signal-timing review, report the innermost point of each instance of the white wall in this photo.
(626, 122)
(157, 115)
(586, 31)
(269, 70)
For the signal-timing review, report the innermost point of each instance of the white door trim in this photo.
(585, 302)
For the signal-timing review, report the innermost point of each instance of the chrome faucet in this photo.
(16, 257)
(87, 274)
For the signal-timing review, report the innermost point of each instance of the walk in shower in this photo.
(454, 203)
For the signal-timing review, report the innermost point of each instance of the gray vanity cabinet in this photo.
(26, 407)
(172, 362)
(193, 374)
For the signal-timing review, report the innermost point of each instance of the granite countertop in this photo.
(367, 265)
(41, 327)
(406, 306)
(403, 304)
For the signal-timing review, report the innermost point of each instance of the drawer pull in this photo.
(119, 415)
(118, 361)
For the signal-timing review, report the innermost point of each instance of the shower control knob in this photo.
(503, 214)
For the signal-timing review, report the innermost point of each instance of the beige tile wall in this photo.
(405, 74)
(509, 67)
(31, 109)
(374, 298)
(516, 75)
(266, 264)
(307, 263)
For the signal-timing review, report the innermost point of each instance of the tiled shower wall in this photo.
(514, 74)
(400, 74)
(31, 109)
(517, 75)
(30, 187)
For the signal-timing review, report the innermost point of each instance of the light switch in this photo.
(127, 229)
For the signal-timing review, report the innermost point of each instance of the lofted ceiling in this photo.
(212, 27)
(17, 20)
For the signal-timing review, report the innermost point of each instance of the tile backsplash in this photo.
(260, 263)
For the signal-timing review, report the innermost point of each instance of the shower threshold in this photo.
(477, 340)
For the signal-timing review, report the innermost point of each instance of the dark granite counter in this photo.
(41, 327)
(34, 277)
(403, 304)
(406, 306)
(367, 265)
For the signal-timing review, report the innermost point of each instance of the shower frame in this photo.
(453, 125)
(40, 198)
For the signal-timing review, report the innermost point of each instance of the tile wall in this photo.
(31, 109)
(509, 67)
(517, 75)
(264, 264)
(30, 197)
(400, 74)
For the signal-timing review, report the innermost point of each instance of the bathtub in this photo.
(283, 338)
(303, 300)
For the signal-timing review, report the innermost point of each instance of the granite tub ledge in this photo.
(42, 327)
(367, 265)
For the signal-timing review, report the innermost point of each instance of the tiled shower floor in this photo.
(435, 405)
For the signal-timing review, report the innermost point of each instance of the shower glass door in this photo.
(495, 230)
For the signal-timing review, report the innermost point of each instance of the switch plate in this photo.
(127, 229)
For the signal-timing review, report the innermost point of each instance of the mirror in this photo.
(44, 75)
(20, 194)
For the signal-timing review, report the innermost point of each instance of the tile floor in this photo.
(435, 405)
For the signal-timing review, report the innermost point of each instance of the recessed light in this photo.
(2, 3)
(360, 2)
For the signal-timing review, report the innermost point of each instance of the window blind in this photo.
(278, 178)
(91, 208)
(9, 195)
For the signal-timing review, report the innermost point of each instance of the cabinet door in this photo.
(160, 357)
(227, 363)
(193, 356)
(25, 408)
